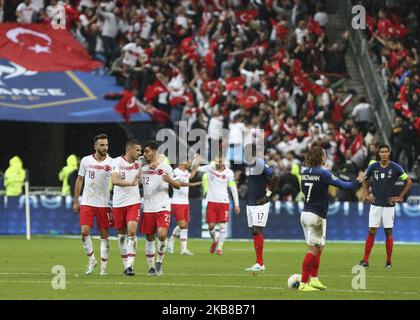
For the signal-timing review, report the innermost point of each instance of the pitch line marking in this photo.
(204, 286)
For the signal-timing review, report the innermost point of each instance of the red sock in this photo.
(370, 240)
(316, 265)
(389, 245)
(307, 266)
(259, 246)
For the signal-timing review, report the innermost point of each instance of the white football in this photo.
(294, 281)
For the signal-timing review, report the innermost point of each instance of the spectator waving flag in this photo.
(128, 105)
(39, 47)
(245, 16)
(250, 98)
(281, 31)
(154, 90)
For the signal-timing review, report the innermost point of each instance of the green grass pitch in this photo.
(25, 272)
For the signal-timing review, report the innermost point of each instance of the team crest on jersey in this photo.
(107, 168)
(382, 175)
(136, 166)
(159, 172)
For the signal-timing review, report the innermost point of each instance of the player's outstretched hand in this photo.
(166, 178)
(370, 198)
(237, 210)
(76, 207)
(262, 200)
(361, 176)
(394, 200)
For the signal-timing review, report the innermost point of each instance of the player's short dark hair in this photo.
(132, 142)
(314, 157)
(384, 146)
(99, 137)
(152, 145)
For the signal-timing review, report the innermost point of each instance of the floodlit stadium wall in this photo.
(52, 215)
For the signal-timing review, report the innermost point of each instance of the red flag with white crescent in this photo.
(39, 47)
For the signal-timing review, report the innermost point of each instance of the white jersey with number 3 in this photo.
(155, 190)
(126, 196)
(96, 176)
(181, 196)
(218, 183)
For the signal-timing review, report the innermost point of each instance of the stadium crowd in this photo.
(245, 65)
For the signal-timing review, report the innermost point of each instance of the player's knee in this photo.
(150, 237)
(85, 232)
(182, 225)
(103, 233)
(255, 230)
(372, 231)
(388, 232)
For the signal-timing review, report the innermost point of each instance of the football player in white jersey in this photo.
(219, 179)
(125, 177)
(156, 178)
(180, 206)
(95, 173)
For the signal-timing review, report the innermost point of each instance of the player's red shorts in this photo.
(123, 215)
(181, 212)
(217, 212)
(150, 221)
(103, 216)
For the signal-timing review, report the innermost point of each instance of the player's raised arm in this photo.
(329, 178)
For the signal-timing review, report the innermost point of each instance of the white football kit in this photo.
(97, 175)
(126, 196)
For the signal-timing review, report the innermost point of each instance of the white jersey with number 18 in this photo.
(96, 176)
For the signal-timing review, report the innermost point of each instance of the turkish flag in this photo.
(128, 105)
(250, 98)
(245, 16)
(235, 83)
(154, 90)
(39, 47)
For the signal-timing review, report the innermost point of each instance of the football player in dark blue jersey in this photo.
(315, 182)
(261, 183)
(383, 199)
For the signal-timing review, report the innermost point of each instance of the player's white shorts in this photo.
(381, 217)
(314, 228)
(257, 215)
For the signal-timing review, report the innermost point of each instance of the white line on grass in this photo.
(242, 274)
(202, 286)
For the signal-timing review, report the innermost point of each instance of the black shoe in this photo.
(124, 272)
(129, 271)
(388, 265)
(363, 263)
(151, 272)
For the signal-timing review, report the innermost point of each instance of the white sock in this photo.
(213, 235)
(104, 253)
(183, 237)
(161, 250)
(222, 236)
(87, 245)
(150, 253)
(122, 243)
(174, 236)
(131, 249)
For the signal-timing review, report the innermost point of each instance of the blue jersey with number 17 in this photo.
(315, 182)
